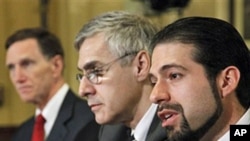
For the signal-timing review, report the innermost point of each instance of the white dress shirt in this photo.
(141, 130)
(245, 119)
(52, 108)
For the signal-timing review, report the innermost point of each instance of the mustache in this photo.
(176, 107)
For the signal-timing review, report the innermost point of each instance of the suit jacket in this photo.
(75, 122)
(119, 132)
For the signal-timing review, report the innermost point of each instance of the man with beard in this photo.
(200, 72)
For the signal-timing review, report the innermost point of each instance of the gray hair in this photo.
(124, 32)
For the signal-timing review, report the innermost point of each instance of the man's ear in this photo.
(57, 65)
(228, 80)
(142, 65)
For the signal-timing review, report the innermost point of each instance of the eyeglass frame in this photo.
(94, 72)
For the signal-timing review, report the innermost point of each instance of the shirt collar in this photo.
(141, 130)
(52, 108)
(54, 101)
(245, 119)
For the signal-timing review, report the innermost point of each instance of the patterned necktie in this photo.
(38, 130)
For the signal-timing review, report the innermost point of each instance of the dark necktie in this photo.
(38, 130)
(130, 136)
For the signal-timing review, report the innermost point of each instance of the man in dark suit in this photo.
(35, 60)
(114, 62)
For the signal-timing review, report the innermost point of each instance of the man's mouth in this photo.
(95, 107)
(168, 117)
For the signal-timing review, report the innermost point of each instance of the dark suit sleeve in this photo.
(117, 132)
(24, 131)
(90, 129)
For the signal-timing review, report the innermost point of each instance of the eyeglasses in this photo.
(95, 74)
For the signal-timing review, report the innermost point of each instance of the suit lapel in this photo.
(156, 131)
(59, 130)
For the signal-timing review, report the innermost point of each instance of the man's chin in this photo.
(27, 100)
(101, 120)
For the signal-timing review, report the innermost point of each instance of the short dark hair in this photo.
(217, 45)
(48, 43)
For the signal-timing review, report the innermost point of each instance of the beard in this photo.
(186, 133)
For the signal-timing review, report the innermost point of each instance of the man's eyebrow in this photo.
(89, 65)
(21, 61)
(10, 65)
(168, 66)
